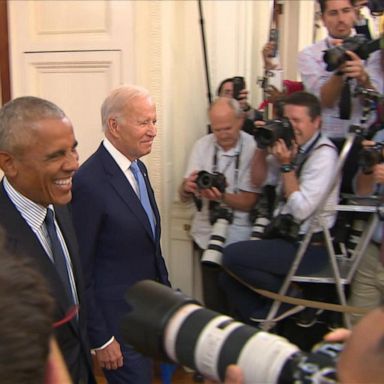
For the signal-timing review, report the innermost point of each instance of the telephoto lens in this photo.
(167, 325)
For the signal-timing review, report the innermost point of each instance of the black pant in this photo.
(213, 296)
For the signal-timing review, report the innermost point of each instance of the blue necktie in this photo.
(58, 253)
(143, 194)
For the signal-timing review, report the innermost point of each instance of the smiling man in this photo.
(118, 227)
(303, 176)
(339, 18)
(229, 151)
(38, 157)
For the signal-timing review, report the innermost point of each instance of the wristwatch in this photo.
(286, 168)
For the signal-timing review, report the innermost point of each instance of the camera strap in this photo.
(229, 162)
(302, 157)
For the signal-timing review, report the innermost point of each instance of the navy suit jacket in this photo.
(22, 241)
(117, 247)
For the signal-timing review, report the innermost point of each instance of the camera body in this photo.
(238, 85)
(376, 7)
(206, 180)
(283, 226)
(336, 56)
(272, 131)
(370, 156)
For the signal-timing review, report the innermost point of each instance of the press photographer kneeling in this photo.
(218, 177)
(302, 169)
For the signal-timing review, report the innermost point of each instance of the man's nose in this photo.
(71, 162)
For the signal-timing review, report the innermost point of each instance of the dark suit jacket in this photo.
(21, 241)
(116, 244)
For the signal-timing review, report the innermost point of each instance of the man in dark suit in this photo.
(38, 157)
(118, 227)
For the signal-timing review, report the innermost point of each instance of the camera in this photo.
(370, 156)
(238, 85)
(220, 217)
(167, 325)
(283, 226)
(261, 214)
(376, 7)
(206, 180)
(359, 44)
(272, 131)
(368, 93)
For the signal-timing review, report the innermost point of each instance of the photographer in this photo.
(227, 89)
(339, 17)
(228, 151)
(304, 168)
(367, 289)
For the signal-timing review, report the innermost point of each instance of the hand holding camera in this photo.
(211, 186)
(284, 154)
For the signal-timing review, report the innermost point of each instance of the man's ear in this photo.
(113, 127)
(7, 164)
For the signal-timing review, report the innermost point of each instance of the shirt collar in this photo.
(33, 213)
(123, 162)
(305, 146)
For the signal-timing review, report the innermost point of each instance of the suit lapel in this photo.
(22, 241)
(124, 189)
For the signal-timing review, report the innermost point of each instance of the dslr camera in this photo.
(169, 326)
(370, 156)
(206, 180)
(359, 44)
(272, 131)
(283, 226)
(376, 7)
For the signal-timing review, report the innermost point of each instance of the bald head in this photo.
(226, 121)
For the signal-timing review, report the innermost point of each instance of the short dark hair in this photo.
(228, 80)
(304, 99)
(323, 4)
(26, 321)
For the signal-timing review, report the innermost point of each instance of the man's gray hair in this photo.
(232, 103)
(17, 118)
(118, 100)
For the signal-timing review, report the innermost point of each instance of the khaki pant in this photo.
(367, 289)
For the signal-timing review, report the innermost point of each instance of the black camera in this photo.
(370, 156)
(376, 7)
(207, 180)
(238, 85)
(283, 226)
(272, 131)
(359, 44)
(167, 325)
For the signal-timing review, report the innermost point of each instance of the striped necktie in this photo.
(58, 253)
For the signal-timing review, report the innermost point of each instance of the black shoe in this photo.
(308, 317)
